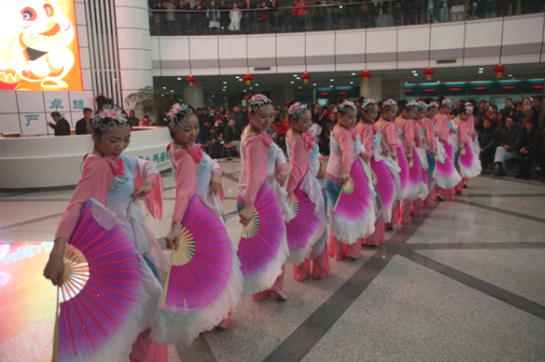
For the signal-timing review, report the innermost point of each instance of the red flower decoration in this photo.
(117, 165)
(196, 153)
(267, 139)
(309, 140)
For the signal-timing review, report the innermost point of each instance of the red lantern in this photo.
(365, 75)
(248, 78)
(429, 72)
(306, 77)
(499, 69)
(191, 79)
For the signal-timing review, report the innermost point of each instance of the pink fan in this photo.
(261, 238)
(201, 266)
(404, 165)
(354, 202)
(99, 293)
(446, 175)
(304, 224)
(383, 181)
(470, 166)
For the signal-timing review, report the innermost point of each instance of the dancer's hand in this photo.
(290, 196)
(344, 178)
(215, 183)
(283, 176)
(142, 191)
(54, 269)
(321, 171)
(433, 152)
(172, 240)
(365, 156)
(246, 214)
(385, 152)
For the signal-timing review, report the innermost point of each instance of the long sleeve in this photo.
(409, 132)
(463, 133)
(430, 133)
(256, 163)
(299, 164)
(148, 171)
(391, 135)
(519, 139)
(368, 136)
(443, 128)
(280, 163)
(186, 179)
(96, 177)
(347, 147)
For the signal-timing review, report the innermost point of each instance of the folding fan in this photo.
(470, 165)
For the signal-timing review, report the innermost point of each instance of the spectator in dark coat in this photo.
(489, 139)
(510, 144)
(530, 144)
(83, 126)
(61, 125)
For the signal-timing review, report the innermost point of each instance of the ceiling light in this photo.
(240, 80)
(257, 85)
(295, 75)
(299, 87)
(171, 91)
(415, 74)
(480, 72)
(353, 73)
(237, 77)
(351, 82)
(331, 80)
(314, 84)
(331, 86)
(251, 87)
(224, 82)
(481, 68)
(414, 71)
(164, 87)
(298, 78)
(224, 90)
(179, 78)
(292, 82)
(245, 91)
(510, 75)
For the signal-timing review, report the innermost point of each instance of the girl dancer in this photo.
(407, 135)
(430, 134)
(196, 174)
(420, 143)
(382, 165)
(256, 147)
(389, 130)
(345, 150)
(308, 175)
(468, 162)
(446, 175)
(118, 181)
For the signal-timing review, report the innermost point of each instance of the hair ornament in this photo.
(346, 106)
(259, 102)
(433, 105)
(468, 108)
(446, 102)
(102, 120)
(297, 110)
(411, 105)
(179, 109)
(368, 104)
(389, 104)
(423, 106)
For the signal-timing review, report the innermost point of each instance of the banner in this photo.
(39, 45)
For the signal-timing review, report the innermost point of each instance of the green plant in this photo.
(152, 100)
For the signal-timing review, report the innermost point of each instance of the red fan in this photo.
(99, 297)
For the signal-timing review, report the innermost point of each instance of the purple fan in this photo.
(304, 224)
(404, 165)
(354, 201)
(383, 181)
(201, 266)
(262, 237)
(470, 166)
(100, 290)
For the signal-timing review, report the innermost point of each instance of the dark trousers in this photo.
(487, 157)
(524, 162)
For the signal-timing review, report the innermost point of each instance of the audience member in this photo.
(133, 121)
(510, 144)
(530, 144)
(61, 125)
(83, 126)
(145, 122)
(489, 139)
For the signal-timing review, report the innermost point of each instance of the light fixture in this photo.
(179, 78)
(353, 73)
(510, 75)
(257, 85)
(298, 78)
(224, 90)
(415, 74)
(292, 82)
(224, 82)
(331, 80)
(237, 77)
(299, 87)
(414, 71)
(295, 75)
(245, 91)
(240, 80)
(251, 87)
(164, 87)
(480, 72)
(171, 91)
(314, 84)
(351, 82)
(481, 68)
(331, 86)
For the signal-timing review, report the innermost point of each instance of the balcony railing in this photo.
(334, 15)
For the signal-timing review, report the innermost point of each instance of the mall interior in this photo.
(464, 281)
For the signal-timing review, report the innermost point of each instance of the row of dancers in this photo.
(377, 175)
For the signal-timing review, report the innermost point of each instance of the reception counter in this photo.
(37, 162)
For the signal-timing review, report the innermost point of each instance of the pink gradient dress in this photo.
(429, 129)
(305, 163)
(112, 183)
(445, 173)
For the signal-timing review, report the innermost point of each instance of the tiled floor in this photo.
(465, 282)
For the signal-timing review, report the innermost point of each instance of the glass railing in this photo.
(324, 15)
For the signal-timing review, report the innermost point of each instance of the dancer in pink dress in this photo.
(468, 164)
(430, 134)
(389, 131)
(446, 175)
(407, 135)
(346, 227)
(421, 146)
(197, 175)
(307, 176)
(118, 182)
(263, 162)
(384, 170)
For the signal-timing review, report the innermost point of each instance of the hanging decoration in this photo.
(305, 76)
(248, 78)
(499, 69)
(365, 75)
(429, 72)
(191, 80)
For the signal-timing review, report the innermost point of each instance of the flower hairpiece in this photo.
(411, 105)
(259, 102)
(389, 104)
(433, 105)
(446, 102)
(468, 108)
(297, 110)
(100, 120)
(422, 105)
(346, 106)
(368, 104)
(182, 109)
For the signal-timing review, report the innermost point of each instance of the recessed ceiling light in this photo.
(240, 80)
(299, 87)
(331, 86)
(257, 85)
(171, 91)
(331, 80)
(224, 82)
(292, 82)
(510, 75)
(295, 75)
(237, 77)
(415, 74)
(480, 72)
(353, 73)
(298, 78)
(351, 82)
(314, 84)
(213, 96)
(245, 91)
(224, 90)
(251, 87)
(164, 87)
(481, 68)
(179, 78)
(414, 71)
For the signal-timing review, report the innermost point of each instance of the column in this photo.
(193, 95)
(372, 88)
(394, 89)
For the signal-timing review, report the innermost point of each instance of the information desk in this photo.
(36, 162)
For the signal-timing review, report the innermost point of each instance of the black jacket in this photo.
(81, 126)
(62, 127)
(531, 140)
(512, 138)
(489, 139)
(230, 134)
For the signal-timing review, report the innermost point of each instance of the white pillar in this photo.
(134, 45)
(193, 95)
(372, 88)
(394, 89)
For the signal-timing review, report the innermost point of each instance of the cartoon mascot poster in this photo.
(39, 45)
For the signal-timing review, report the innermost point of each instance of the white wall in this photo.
(476, 42)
